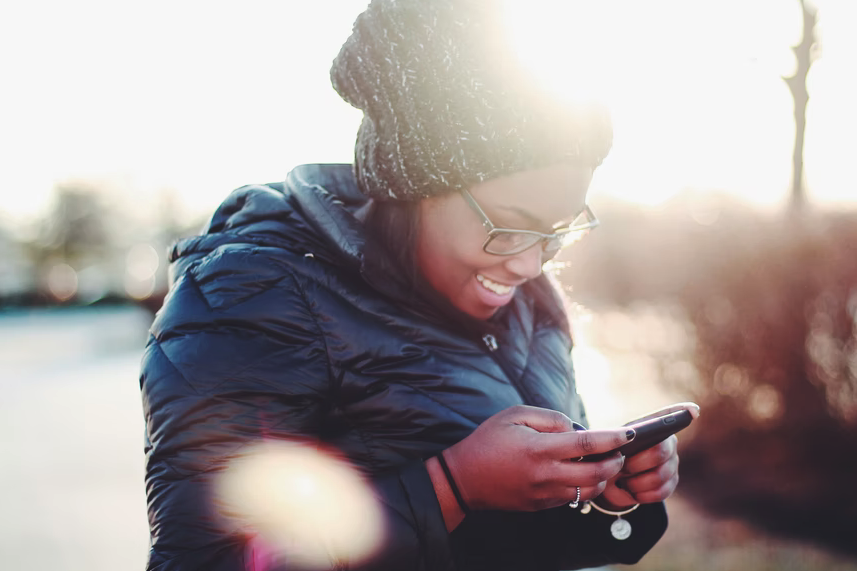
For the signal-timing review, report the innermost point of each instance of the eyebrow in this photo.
(530, 217)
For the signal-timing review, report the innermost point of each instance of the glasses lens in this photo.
(506, 243)
(551, 248)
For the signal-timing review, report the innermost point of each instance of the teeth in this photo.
(499, 289)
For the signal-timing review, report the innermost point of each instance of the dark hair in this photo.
(392, 230)
(392, 227)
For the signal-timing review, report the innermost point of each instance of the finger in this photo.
(586, 492)
(572, 473)
(652, 480)
(564, 445)
(691, 407)
(618, 496)
(540, 419)
(560, 496)
(569, 494)
(659, 494)
(652, 457)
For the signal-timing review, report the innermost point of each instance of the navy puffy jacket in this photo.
(272, 329)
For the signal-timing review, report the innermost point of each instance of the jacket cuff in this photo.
(648, 524)
(416, 535)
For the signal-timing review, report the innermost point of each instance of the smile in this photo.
(495, 287)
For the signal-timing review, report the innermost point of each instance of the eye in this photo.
(507, 243)
(507, 240)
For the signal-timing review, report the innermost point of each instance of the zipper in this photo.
(493, 347)
(490, 342)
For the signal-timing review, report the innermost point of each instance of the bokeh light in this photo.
(731, 380)
(62, 282)
(765, 403)
(139, 289)
(302, 505)
(141, 266)
(142, 261)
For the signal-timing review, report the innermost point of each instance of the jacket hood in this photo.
(312, 212)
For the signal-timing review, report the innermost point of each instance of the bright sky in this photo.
(203, 97)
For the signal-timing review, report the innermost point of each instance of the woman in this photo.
(394, 312)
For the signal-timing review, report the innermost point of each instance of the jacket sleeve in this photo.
(235, 356)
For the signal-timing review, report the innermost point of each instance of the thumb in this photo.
(541, 419)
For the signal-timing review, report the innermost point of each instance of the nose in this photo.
(526, 264)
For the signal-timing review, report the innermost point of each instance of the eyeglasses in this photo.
(508, 242)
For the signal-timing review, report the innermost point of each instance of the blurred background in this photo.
(725, 270)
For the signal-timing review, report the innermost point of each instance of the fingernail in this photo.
(630, 434)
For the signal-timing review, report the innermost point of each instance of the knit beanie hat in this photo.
(447, 105)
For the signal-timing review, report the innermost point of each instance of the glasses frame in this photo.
(543, 239)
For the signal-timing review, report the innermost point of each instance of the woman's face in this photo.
(451, 235)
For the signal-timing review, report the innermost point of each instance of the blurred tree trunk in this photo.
(805, 55)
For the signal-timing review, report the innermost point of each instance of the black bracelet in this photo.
(461, 503)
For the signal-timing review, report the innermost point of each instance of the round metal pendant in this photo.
(620, 529)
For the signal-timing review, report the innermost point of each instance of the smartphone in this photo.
(649, 433)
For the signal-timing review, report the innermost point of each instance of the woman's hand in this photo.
(525, 459)
(649, 476)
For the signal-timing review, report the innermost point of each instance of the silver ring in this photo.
(576, 501)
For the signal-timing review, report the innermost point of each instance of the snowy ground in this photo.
(71, 440)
